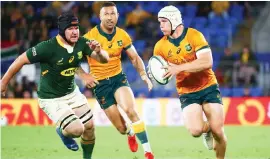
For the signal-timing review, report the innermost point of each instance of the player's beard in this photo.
(110, 25)
(72, 42)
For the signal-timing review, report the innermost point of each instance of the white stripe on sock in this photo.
(146, 147)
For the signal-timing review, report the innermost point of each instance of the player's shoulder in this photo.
(161, 41)
(92, 32)
(192, 31)
(82, 39)
(120, 31)
(48, 43)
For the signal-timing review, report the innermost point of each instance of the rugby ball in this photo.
(155, 69)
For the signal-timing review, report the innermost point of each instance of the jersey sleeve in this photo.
(39, 53)
(86, 51)
(157, 50)
(199, 42)
(88, 35)
(127, 43)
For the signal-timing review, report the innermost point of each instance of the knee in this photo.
(196, 132)
(219, 135)
(129, 111)
(122, 129)
(75, 130)
(89, 129)
(89, 125)
(89, 132)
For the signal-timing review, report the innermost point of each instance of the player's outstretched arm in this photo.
(139, 65)
(12, 70)
(204, 61)
(98, 53)
(88, 79)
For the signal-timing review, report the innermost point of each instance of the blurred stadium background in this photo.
(238, 33)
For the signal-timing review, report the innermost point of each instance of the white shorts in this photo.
(56, 107)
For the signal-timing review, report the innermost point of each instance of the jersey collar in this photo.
(68, 47)
(59, 41)
(108, 36)
(176, 42)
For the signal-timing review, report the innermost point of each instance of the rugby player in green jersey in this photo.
(58, 95)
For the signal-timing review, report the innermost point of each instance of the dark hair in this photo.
(108, 4)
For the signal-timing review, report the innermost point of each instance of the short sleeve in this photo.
(127, 41)
(199, 42)
(88, 35)
(157, 50)
(86, 51)
(39, 53)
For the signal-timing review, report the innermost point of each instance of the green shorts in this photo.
(106, 88)
(210, 94)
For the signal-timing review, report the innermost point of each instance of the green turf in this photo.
(167, 143)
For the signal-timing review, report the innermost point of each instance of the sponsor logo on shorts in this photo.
(69, 72)
(183, 100)
(102, 100)
(218, 96)
(124, 81)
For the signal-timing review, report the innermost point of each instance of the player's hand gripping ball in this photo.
(155, 70)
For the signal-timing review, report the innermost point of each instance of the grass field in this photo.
(167, 143)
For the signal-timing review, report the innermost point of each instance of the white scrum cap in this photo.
(172, 14)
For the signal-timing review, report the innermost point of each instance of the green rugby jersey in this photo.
(58, 65)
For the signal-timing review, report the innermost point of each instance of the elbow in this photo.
(105, 58)
(209, 64)
(22, 60)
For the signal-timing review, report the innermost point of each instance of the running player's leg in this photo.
(88, 137)
(69, 127)
(105, 98)
(193, 119)
(119, 123)
(68, 124)
(116, 118)
(215, 116)
(104, 93)
(125, 99)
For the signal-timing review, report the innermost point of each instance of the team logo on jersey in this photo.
(80, 55)
(120, 43)
(188, 47)
(178, 50)
(71, 59)
(69, 72)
